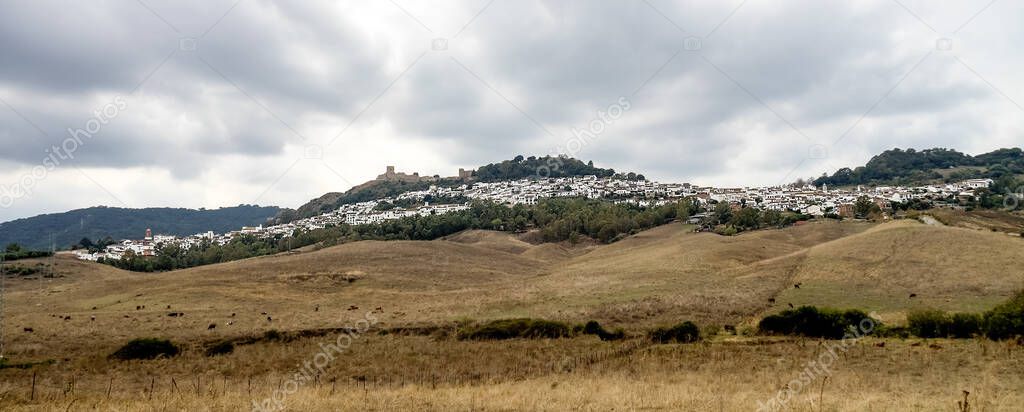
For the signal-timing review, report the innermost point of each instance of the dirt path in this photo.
(930, 221)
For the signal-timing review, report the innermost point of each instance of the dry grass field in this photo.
(385, 373)
(420, 290)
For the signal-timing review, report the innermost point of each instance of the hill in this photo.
(912, 167)
(531, 167)
(97, 223)
(518, 168)
(651, 278)
(881, 268)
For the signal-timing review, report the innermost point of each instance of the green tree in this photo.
(722, 213)
(864, 207)
(771, 218)
(747, 218)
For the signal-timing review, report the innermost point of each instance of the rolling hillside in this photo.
(655, 277)
(954, 269)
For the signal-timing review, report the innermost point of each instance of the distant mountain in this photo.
(912, 167)
(388, 185)
(117, 223)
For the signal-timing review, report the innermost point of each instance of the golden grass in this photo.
(657, 277)
(422, 373)
(948, 268)
(661, 276)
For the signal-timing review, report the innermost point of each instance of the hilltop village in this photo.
(806, 199)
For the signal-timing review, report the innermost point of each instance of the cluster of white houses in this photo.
(807, 199)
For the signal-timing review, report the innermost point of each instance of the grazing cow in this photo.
(212, 326)
(67, 318)
(317, 308)
(29, 330)
(771, 300)
(797, 286)
(232, 315)
(353, 307)
(730, 329)
(790, 305)
(92, 318)
(138, 308)
(270, 319)
(913, 295)
(263, 313)
(168, 306)
(231, 322)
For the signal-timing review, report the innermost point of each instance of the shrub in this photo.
(1007, 320)
(516, 328)
(273, 335)
(928, 323)
(146, 349)
(221, 348)
(818, 323)
(899, 332)
(594, 328)
(686, 332)
(964, 325)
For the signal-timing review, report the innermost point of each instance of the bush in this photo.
(146, 349)
(686, 332)
(928, 323)
(964, 325)
(818, 323)
(899, 332)
(594, 328)
(273, 335)
(221, 348)
(1007, 320)
(516, 328)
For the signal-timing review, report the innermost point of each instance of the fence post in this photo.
(33, 396)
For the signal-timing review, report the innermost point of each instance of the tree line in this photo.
(912, 167)
(14, 251)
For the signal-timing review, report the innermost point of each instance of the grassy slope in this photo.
(949, 268)
(655, 277)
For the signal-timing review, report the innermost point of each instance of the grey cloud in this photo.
(266, 69)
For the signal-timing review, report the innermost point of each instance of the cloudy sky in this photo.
(203, 103)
